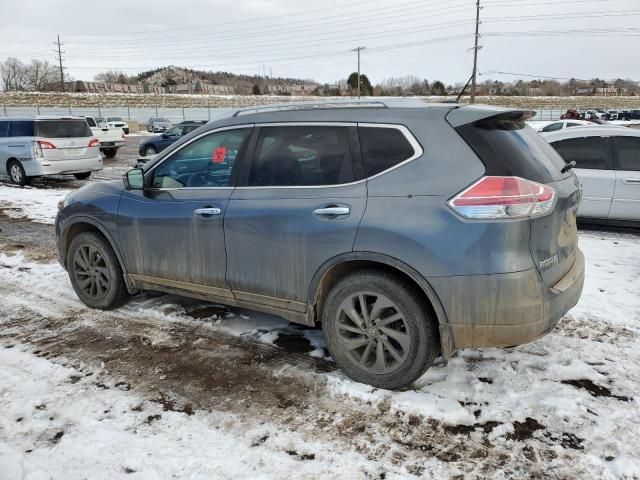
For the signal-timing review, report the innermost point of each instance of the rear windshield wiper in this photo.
(568, 167)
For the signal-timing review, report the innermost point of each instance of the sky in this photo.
(431, 39)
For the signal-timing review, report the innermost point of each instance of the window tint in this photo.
(301, 156)
(21, 129)
(63, 129)
(206, 162)
(4, 129)
(90, 122)
(572, 124)
(553, 127)
(383, 148)
(628, 153)
(587, 152)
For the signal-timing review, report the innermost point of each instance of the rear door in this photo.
(626, 198)
(594, 169)
(301, 204)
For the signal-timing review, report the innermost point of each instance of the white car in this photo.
(607, 163)
(115, 122)
(111, 139)
(562, 124)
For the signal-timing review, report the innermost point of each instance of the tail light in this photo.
(504, 197)
(94, 142)
(44, 145)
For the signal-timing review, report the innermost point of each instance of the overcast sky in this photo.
(431, 39)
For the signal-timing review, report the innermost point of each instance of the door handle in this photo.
(207, 211)
(332, 211)
(632, 181)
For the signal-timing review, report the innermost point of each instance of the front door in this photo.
(626, 199)
(300, 206)
(172, 233)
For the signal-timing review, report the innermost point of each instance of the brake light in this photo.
(94, 142)
(504, 197)
(44, 145)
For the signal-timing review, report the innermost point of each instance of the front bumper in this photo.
(63, 167)
(505, 310)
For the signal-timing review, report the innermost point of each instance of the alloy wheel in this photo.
(91, 272)
(373, 332)
(16, 173)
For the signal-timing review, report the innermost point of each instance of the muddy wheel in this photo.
(82, 176)
(110, 152)
(16, 173)
(378, 330)
(150, 150)
(95, 272)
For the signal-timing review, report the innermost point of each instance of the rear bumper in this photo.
(504, 310)
(115, 144)
(56, 167)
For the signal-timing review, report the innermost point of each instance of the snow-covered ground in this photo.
(78, 398)
(38, 204)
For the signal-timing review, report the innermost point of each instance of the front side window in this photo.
(628, 153)
(587, 152)
(22, 129)
(383, 148)
(4, 129)
(301, 156)
(206, 162)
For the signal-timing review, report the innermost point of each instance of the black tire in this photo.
(82, 176)
(412, 355)
(16, 173)
(95, 272)
(110, 152)
(150, 150)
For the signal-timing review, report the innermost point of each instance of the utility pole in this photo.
(60, 52)
(358, 49)
(475, 54)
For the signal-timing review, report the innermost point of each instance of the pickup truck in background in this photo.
(110, 138)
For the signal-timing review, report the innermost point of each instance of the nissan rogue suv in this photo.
(405, 230)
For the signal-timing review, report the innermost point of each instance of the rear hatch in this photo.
(65, 139)
(509, 147)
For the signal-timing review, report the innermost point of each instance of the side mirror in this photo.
(134, 179)
(165, 135)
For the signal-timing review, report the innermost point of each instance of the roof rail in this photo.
(329, 104)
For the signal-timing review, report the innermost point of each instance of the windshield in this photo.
(62, 129)
(161, 120)
(114, 119)
(173, 132)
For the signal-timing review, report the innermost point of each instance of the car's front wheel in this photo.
(95, 273)
(82, 175)
(16, 173)
(150, 150)
(379, 330)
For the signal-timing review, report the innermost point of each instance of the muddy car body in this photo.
(406, 230)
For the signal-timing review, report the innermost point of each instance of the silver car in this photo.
(607, 162)
(33, 146)
(158, 124)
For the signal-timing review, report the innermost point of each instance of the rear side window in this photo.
(62, 129)
(587, 152)
(301, 156)
(90, 122)
(383, 148)
(511, 148)
(553, 127)
(21, 129)
(627, 153)
(4, 129)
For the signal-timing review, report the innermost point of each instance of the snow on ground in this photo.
(38, 204)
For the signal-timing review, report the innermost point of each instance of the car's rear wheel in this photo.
(16, 173)
(379, 330)
(110, 152)
(148, 151)
(82, 175)
(95, 273)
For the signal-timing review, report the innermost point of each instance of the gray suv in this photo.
(406, 231)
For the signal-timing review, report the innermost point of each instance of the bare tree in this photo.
(39, 73)
(13, 74)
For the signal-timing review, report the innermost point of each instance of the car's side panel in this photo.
(597, 188)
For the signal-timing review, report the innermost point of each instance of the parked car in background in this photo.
(158, 124)
(629, 115)
(157, 143)
(33, 146)
(337, 216)
(572, 114)
(611, 115)
(110, 138)
(553, 126)
(607, 162)
(115, 122)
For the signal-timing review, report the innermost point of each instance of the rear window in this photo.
(511, 148)
(62, 129)
(383, 148)
(90, 122)
(21, 129)
(587, 152)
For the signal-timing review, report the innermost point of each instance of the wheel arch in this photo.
(87, 224)
(342, 265)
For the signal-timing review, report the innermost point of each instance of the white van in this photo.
(33, 146)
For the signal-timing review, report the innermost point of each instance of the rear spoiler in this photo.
(472, 113)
